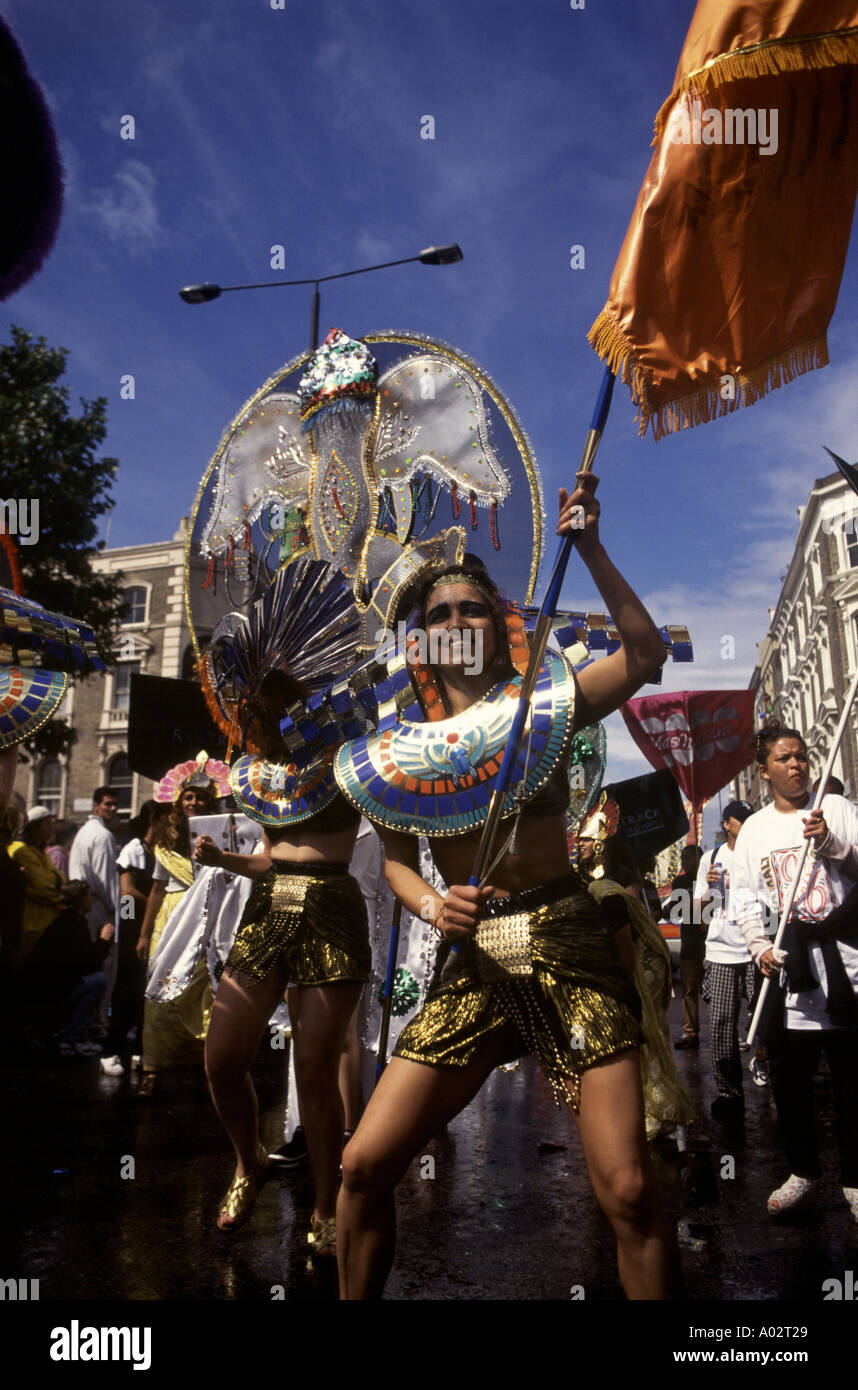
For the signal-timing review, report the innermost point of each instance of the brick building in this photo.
(154, 639)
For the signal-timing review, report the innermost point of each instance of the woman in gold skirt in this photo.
(304, 926)
(577, 1010)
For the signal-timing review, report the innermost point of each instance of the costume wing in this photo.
(433, 422)
(265, 460)
(30, 635)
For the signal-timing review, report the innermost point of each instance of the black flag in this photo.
(652, 814)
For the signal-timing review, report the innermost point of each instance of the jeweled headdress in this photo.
(375, 456)
(599, 826)
(201, 771)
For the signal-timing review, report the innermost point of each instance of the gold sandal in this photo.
(322, 1238)
(149, 1086)
(241, 1196)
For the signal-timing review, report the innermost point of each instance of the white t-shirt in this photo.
(764, 864)
(93, 859)
(132, 856)
(725, 944)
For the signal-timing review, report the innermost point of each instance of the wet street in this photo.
(107, 1197)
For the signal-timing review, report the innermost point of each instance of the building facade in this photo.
(807, 659)
(153, 639)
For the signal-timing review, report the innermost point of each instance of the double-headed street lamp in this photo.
(433, 255)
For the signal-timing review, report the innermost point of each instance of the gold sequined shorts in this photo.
(310, 919)
(571, 1006)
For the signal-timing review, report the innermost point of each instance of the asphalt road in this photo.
(508, 1214)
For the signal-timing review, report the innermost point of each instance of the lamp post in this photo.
(433, 255)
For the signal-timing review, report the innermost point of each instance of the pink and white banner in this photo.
(705, 737)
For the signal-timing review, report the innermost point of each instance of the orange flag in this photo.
(731, 264)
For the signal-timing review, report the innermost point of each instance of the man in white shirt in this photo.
(729, 970)
(820, 1008)
(93, 859)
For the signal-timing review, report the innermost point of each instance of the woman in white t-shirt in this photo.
(820, 979)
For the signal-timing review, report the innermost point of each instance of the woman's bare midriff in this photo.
(541, 855)
(313, 848)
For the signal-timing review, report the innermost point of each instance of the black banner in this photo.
(168, 722)
(652, 814)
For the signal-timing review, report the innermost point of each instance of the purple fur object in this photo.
(31, 170)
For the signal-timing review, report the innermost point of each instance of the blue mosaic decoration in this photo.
(28, 699)
(437, 778)
(581, 634)
(280, 793)
(31, 636)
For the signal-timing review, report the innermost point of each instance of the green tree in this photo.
(49, 455)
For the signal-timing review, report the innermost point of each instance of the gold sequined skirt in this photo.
(308, 918)
(571, 1005)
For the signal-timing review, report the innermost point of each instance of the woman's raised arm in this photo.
(609, 682)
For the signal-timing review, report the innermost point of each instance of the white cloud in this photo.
(127, 208)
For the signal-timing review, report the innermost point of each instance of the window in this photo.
(49, 786)
(807, 711)
(122, 683)
(121, 778)
(825, 656)
(852, 549)
(134, 610)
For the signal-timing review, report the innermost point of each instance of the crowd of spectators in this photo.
(73, 902)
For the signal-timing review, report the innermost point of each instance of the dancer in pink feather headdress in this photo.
(173, 1033)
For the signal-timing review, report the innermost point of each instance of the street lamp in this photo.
(433, 255)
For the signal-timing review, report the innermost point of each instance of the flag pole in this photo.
(538, 644)
(817, 805)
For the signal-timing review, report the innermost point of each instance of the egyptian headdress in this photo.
(375, 456)
(303, 634)
(355, 466)
(209, 774)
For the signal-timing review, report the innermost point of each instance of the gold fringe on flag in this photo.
(767, 59)
(708, 401)
(729, 272)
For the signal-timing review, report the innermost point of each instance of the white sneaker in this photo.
(794, 1193)
(851, 1195)
(759, 1072)
(136, 1062)
(112, 1066)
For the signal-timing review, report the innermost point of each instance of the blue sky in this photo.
(301, 126)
